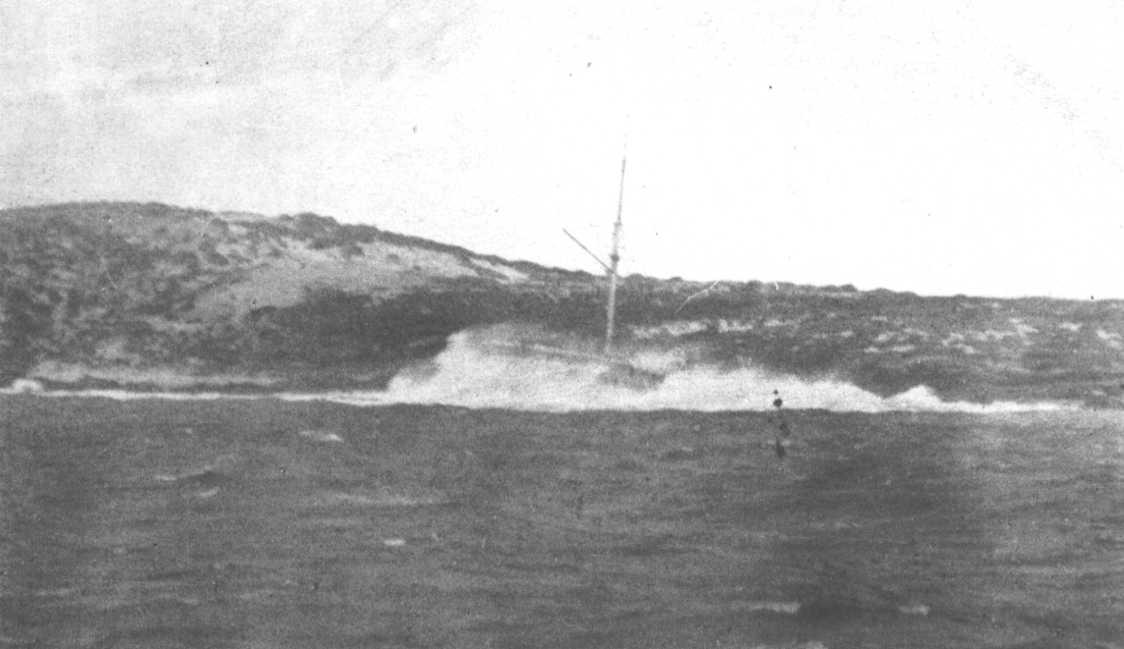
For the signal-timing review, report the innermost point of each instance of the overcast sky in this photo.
(951, 147)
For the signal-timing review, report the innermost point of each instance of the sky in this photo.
(941, 148)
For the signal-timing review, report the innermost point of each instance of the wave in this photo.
(322, 436)
(485, 369)
(379, 499)
(164, 378)
(32, 387)
(474, 372)
(787, 608)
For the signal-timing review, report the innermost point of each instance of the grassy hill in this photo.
(150, 295)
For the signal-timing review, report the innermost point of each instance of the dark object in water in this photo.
(626, 375)
(782, 427)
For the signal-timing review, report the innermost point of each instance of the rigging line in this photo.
(697, 295)
(588, 251)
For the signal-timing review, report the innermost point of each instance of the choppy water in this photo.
(263, 523)
(477, 371)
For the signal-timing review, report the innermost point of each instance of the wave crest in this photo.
(499, 368)
(478, 371)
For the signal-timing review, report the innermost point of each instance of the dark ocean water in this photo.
(270, 524)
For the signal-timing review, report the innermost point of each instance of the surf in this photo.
(471, 373)
(474, 372)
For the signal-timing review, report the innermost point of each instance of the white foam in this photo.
(23, 386)
(382, 499)
(167, 378)
(132, 395)
(474, 372)
(788, 608)
(914, 609)
(321, 436)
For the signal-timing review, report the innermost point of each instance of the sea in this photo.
(444, 513)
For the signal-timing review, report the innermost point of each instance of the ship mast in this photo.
(614, 261)
(610, 268)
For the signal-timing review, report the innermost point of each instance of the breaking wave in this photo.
(476, 372)
(485, 369)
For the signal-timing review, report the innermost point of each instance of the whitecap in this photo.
(381, 499)
(914, 609)
(321, 436)
(474, 372)
(24, 386)
(788, 608)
